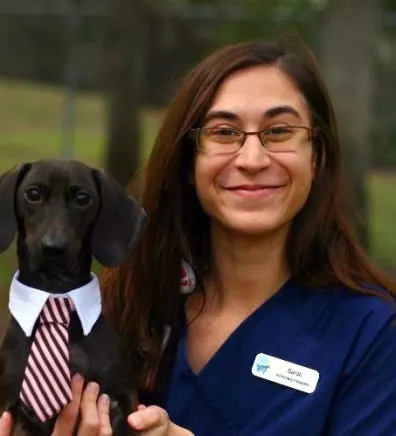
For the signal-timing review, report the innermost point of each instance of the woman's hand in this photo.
(6, 424)
(95, 417)
(154, 421)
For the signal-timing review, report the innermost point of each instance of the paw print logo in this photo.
(263, 364)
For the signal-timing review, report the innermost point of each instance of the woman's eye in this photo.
(225, 132)
(82, 198)
(33, 195)
(279, 130)
(278, 134)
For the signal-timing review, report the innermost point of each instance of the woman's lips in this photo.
(254, 191)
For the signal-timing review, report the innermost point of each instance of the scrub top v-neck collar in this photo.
(215, 379)
(282, 299)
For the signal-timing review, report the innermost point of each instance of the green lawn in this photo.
(30, 120)
(30, 124)
(382, 188)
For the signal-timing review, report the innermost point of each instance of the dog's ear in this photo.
(9, 183)
(119, 223)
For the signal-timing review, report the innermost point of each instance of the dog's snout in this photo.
(54, 243)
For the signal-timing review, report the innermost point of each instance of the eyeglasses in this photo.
(226, 140)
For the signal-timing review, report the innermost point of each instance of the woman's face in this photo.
(255, 189)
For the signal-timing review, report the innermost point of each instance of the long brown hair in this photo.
(142, 296)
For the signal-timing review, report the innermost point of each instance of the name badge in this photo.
(285, 373)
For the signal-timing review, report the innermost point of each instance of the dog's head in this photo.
(58, 207)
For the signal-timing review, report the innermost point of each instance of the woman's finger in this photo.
(68, 416)
(89, 425)
(104, 416)
(6, 424)
(149, 418)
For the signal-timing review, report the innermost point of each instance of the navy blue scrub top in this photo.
(348, 338)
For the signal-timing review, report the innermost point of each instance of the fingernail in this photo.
(135, 421)
(105, 399)
(93, 387)
(78, 378)
(4, 420)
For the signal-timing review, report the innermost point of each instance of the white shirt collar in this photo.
(26, 303)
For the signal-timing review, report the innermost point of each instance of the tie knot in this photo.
(57, 310)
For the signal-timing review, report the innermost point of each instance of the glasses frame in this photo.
(194, 134)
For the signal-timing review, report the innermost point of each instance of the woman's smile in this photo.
(255, 191)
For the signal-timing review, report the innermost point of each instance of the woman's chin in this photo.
(249, 225)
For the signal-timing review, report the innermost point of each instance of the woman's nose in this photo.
(252, 156)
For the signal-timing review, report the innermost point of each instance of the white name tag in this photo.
(285, 373)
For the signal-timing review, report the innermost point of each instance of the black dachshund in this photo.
(64, 213)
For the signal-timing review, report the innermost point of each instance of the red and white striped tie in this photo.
(46, 387)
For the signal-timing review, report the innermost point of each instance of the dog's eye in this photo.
(82, 198)
(33, 195)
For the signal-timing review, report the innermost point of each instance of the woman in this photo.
(290, 330)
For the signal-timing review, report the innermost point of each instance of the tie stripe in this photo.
(48, 355)
(48, 393)
(46, 387)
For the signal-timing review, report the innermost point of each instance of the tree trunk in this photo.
(123, 84)
(350, 38)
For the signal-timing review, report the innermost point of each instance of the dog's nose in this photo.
(54, 244)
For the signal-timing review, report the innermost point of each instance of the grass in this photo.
(30, 117)
(30, 121)
(383, 219)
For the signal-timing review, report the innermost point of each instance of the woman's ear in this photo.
(318, 155)
(314, 164)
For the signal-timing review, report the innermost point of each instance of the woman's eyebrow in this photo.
(269, 113)
(221, 114)
(280, 110)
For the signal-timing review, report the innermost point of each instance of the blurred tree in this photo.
(384, 131)
(124, 65)
(257, 20)
(122, 82)
(350, 39)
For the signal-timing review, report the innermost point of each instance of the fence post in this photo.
(74, 20)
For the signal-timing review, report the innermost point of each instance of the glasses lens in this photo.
(220, 140)
(280, 138)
